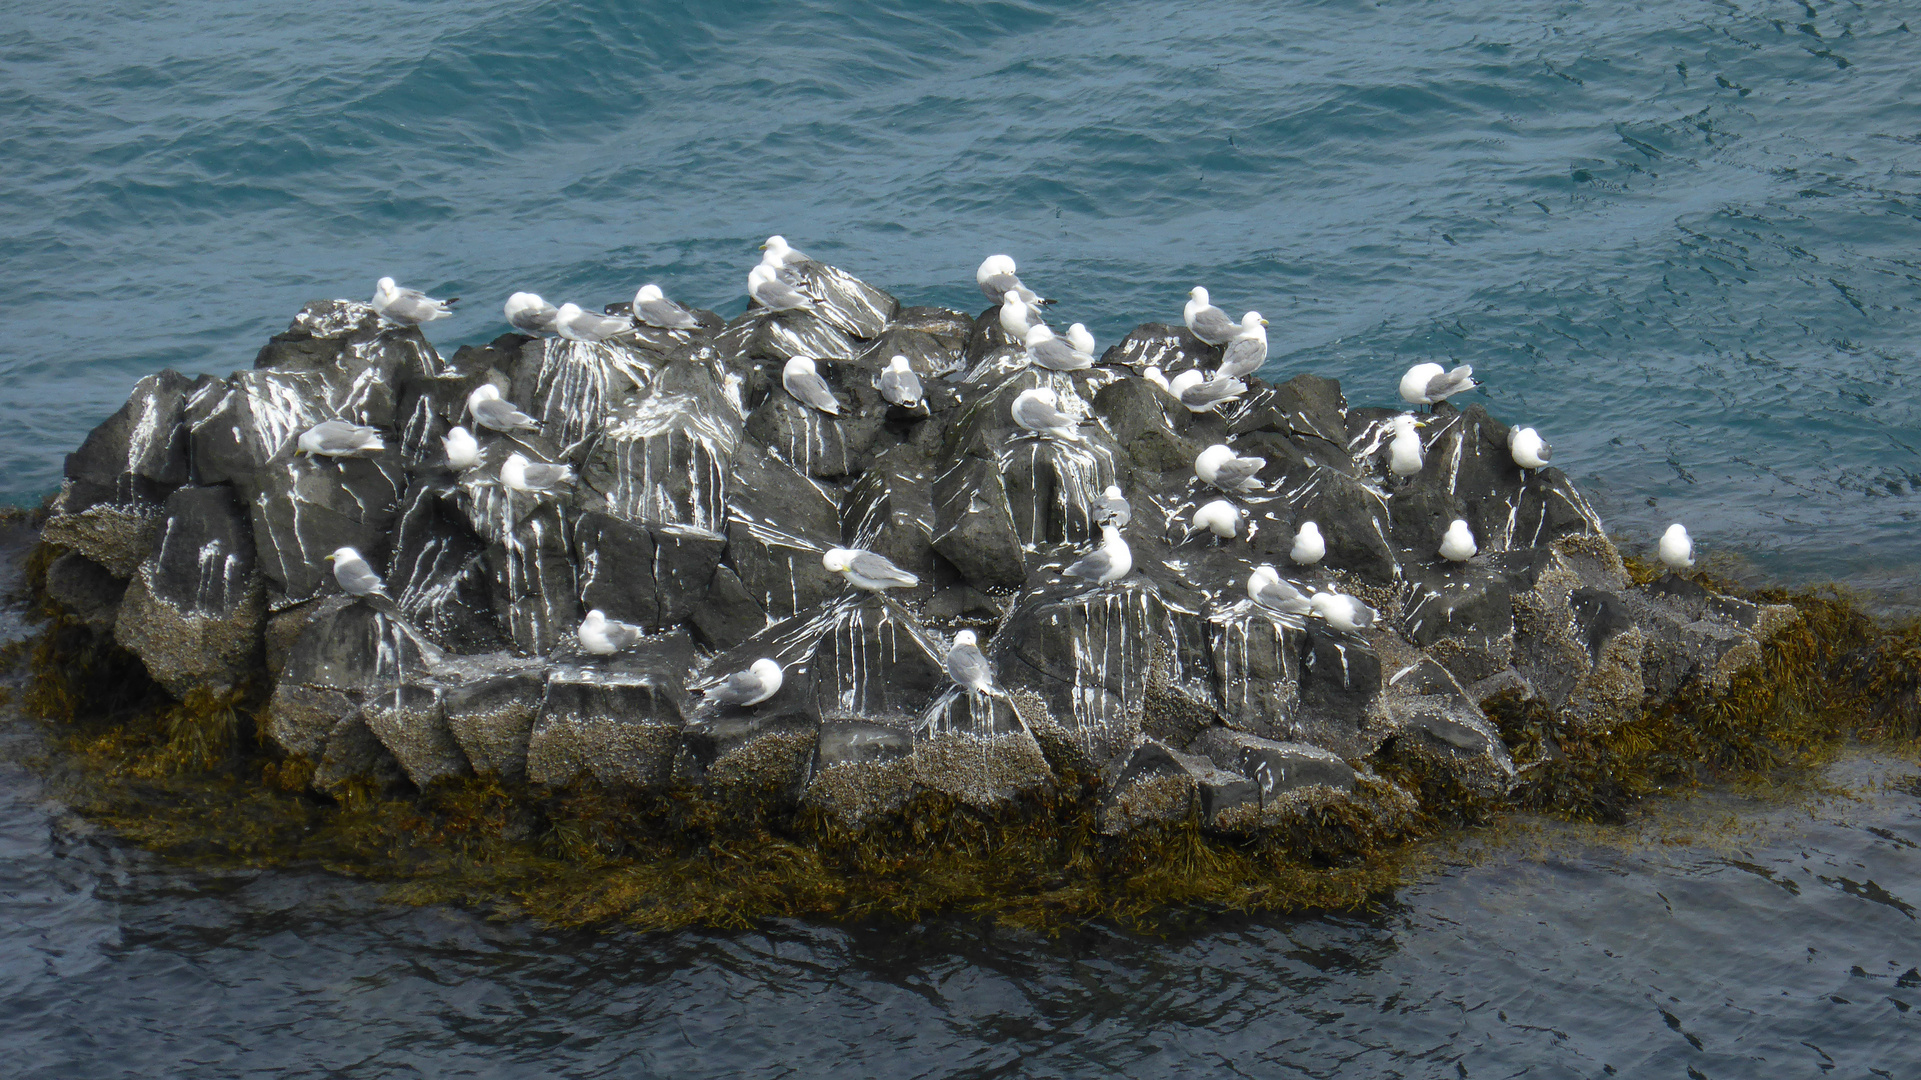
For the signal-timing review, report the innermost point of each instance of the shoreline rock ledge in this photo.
(192, 531)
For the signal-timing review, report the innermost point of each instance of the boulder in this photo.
(617, 720)
(665, 456)
(86, 590)
(1160, 784)
(194, 611)
(861, 770)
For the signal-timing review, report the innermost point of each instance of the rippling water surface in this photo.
(1681, 238)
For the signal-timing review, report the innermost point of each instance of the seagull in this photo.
(900, 385)
(1218, 466)
(1248, 351)
(778, 255)
(603, 636)
(575, 324)
(1201, 394)
(463, 452)
(1113, 508)
(1220, 517)
(1052, 353)
(1153, 375)
(356, 578)
(773, 293)
(1425, 384)
(866, 570)
(409, 307)
(1016, 317)
(338, 438)
(1458, 543)
(804, 383)
(1530, 451)
(1039, 410)
(654, 309)
(534, 477)
(1342, 612)
(1266, 587)
(1309, 548)
(1208, 322)
(1079, 337)
(996, 279)
(968, 667)
(1404, 451)
(1677, 548)
(527, 311)
(759, 682)
(1112, 561)
(485, 406)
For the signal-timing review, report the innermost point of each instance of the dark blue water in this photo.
(1683, 239)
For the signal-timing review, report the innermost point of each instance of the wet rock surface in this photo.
(193, 531)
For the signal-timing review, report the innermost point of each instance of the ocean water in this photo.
(1683, 239)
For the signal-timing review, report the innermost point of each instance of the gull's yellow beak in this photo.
(763, 247)
(1263, 322)
(330, 558)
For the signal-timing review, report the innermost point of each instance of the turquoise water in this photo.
(1679, 238)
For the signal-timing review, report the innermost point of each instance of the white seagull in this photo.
(968, 666)
(409, 307)
(603, 636)
(802, 380)
(1113, 508)
(900, 385)
(1218, 466)
(1342, 612)
(866, 570)
(1266, 587)
(1220, 517)
(1112, 561)
(759, 682)
(1016, 317)
(996, 279)
(654, 309)
(1248, 351)
(1153, 375)
(1404, 450)
(339, 438)
(1201, 394)
(485, 406)
(1528, 449)
(1039, 410)
(1208, 322)
(576, 324)
(521, 474)
(1677, 548)
(1458, 545)
(528, 312)
(778, 255)
(1081, 338)
(1425, 384)
(765, 286)
(356, 578)
(1050, 352)
(1309, 547)
(463, 451)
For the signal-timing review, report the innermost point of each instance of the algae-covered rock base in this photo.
(1157, 744)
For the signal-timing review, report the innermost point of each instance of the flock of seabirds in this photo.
(776, 284)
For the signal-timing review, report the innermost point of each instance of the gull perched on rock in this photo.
(1425, 384)
(1248, 351)
(1052, 353)
(1153, 375)
(1039, 410)
(765, 286)
(968, 666)
(1528, 449)
(1208, 322)
(1112, 561)
(1309, 546)
(654, 309)
(778, 255)
(1017, 318)
(1342, 612)
(529, 313)
(1677, 548)
(576, 324)
(1218, 466)
(521, 474)
(1404, 456)
(339, 438)
(802, 380)
(900, 385)
(1220, 517)
(1081, 338)
(409, 307)
(759, 682)
(1201, 394)
(463, 451)
(356, 578)
(603, 636)
(996, 279)
(485, 406)
(1266, 587)
(866, 570)
(1113, 507)
(1457, 544)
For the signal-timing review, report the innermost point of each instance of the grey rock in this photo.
(665, 456)
(861, 770)
(86, 590)
(974, 525)
(1173, 349)
(194, 611)
(779, 526)
(439, 574)
(618, 721)
(410, 723)
(305, 507)
(1160, 784)
(139, 454)
(492, 718)
(1281, 770)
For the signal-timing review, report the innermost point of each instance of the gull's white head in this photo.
(767, 670)
(899, 363)
(759, 275)
(646, 293)
(1113, 491)
(798, 365)
(386, 285)
(1153, 375)
(1037, 333)
(1213, 458)
(992, 265)
(1219, 517)
(1186, 380)
(1405, 423)
(1266, 574)
(1251, 320)
(1010, 298)
(484, 392)
(567, 313)
(595, 617)
(1198, 294)
(837, 559)
(343, 554)
(965, 637)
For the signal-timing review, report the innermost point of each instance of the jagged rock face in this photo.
(706, 497)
